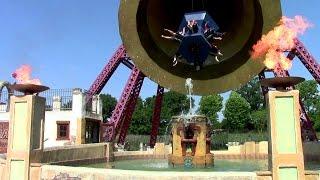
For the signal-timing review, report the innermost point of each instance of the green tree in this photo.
(140, 122)
(236, 113)
(108, 105)
(252, 93)
(210, 106)
(259, 120)
(309, 95)
(173, 104)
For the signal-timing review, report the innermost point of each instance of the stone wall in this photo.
(59, 172)
(74, 154)
(128, 155)
(311, 151)
(50, 172)
(248, 150)
(267, 175)
(2, 167)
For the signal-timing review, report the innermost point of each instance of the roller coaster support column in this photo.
(111, 129)
(130, 109)
(156, 116)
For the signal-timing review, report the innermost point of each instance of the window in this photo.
(63, 130)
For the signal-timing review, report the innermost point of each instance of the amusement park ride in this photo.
(148, 55)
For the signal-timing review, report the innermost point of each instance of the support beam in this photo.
(130, 109)
(106, 73)
(264, 89)
(308, 60)
(111, 129)
(156, 116)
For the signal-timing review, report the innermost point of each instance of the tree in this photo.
(140, 122)
(210, 106)
(108, 105)
(173, 104)
(236, 113)
(259, 120)
(252, 93)
(309, 95)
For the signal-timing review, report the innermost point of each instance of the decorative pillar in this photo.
(56, 105)
(100, 104)
(94, 106)
(285, 147)
(26, 132)
(78, 110)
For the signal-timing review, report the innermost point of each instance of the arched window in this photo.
(5, 94)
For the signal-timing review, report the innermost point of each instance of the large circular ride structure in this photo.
(142, 23)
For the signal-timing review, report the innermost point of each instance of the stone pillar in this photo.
(176, 138)
(159, 150)
(99, 108)
(285, 147)
(78, 103)
(26, 131)
(201, 138)
(94, 106)
(78, 110)
(56, 103)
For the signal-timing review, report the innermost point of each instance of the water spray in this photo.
(189, 87)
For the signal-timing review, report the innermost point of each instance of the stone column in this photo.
(99, 109)
(26, 131)
(94, 106)
(285, 147)
(56, 103)
(78, 110)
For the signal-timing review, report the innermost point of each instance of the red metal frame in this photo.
(113, 127)
(156, 116)
(264, 89)
(130, 109)
(308, 60)
(106, 73)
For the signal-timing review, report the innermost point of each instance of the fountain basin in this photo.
(221, 165)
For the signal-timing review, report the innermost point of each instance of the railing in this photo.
(59, 96)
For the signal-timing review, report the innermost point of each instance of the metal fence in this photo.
(64, 96)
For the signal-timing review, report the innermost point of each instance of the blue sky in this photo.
(68, 42)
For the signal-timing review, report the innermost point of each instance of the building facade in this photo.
(68, 118)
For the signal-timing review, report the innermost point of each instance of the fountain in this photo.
(190, 131)
(193, 133)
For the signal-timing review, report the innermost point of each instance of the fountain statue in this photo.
(191, 132)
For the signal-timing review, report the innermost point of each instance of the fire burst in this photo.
(23, 75)
(279, 40)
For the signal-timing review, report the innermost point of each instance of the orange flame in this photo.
(23, 75)
(279, 40)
